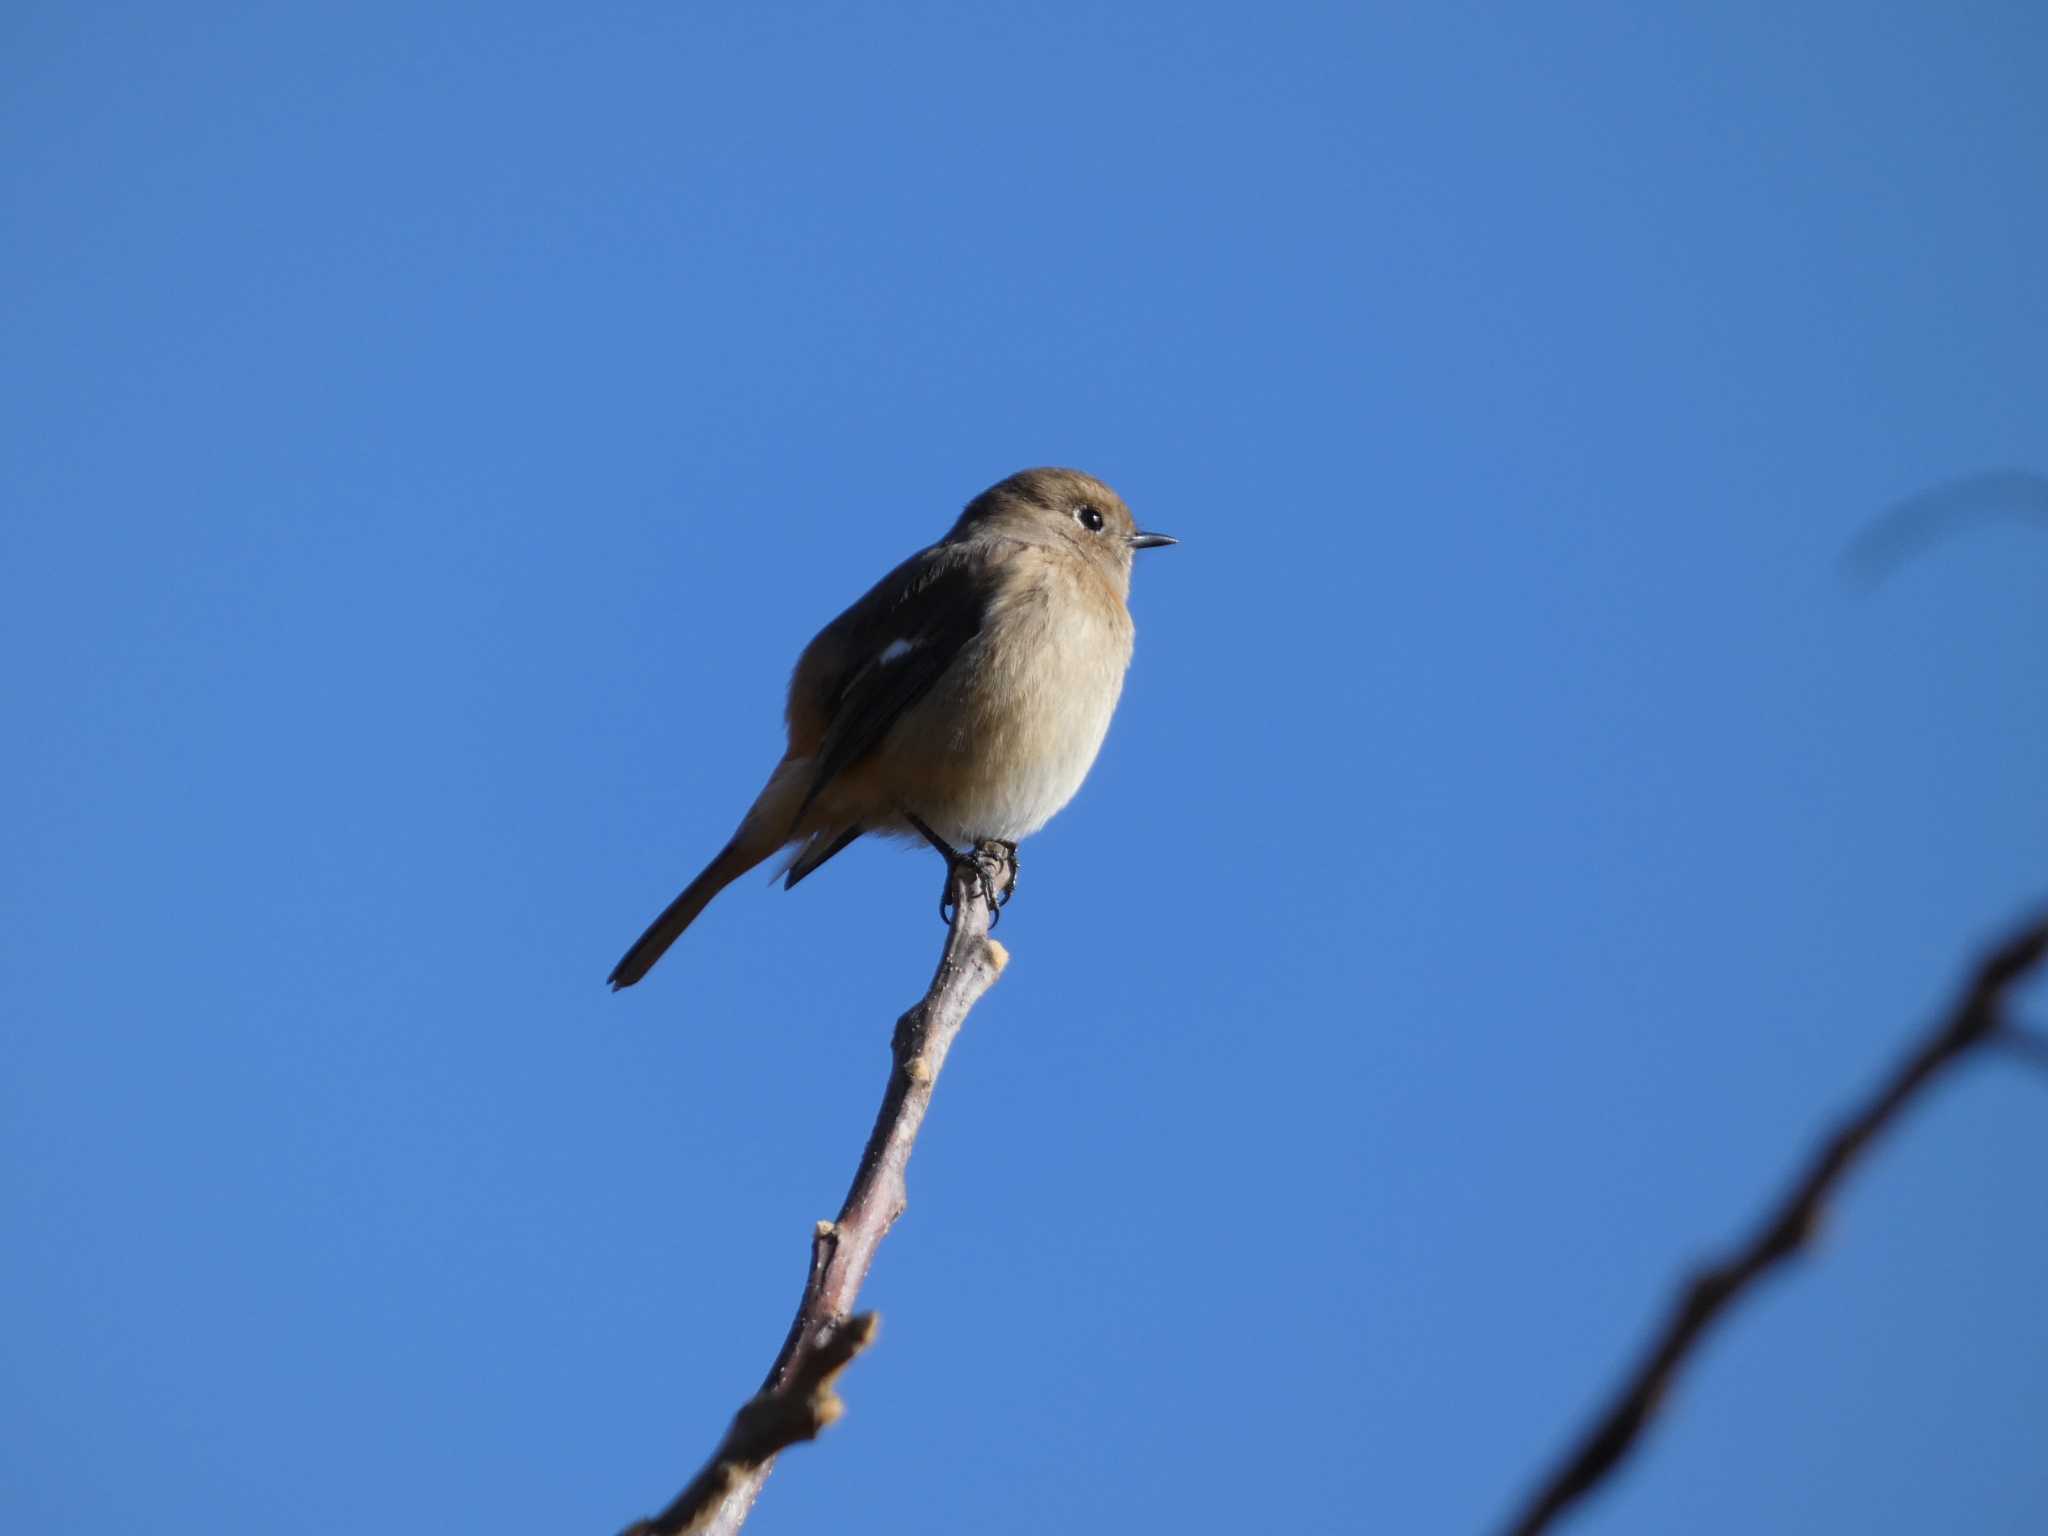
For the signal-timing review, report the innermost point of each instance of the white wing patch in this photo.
(896, 650)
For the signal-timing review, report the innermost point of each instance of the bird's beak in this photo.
(1152, 540)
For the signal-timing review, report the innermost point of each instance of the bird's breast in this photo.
(1006, 738)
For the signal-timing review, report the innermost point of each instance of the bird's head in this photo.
(1062, 509)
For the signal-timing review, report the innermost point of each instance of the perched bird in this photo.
(962, 700)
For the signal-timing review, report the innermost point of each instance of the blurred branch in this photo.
(797, 1400)
(1974, 1019)
(1911, 527)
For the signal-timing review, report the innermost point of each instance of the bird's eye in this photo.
(1089, 518)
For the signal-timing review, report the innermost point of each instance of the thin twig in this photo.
(797, 1401)
(1973, 1020)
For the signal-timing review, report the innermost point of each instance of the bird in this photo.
(962, 700)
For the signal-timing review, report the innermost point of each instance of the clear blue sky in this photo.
(428, 435)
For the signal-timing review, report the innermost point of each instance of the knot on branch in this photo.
(796, 1409)
(778, 1417)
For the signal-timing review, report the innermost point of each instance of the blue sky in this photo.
(429, 437)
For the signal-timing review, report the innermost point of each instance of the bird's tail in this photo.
(734, 860)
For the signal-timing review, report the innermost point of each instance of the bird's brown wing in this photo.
(891, 647)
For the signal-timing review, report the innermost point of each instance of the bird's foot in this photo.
(990, 870)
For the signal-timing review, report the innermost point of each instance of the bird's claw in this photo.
(991, 857)
(1006, 854)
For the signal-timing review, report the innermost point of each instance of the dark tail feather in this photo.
(732, 862)
(817, 853)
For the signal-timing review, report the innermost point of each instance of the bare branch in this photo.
(1974, 1019)
(797, 1400)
